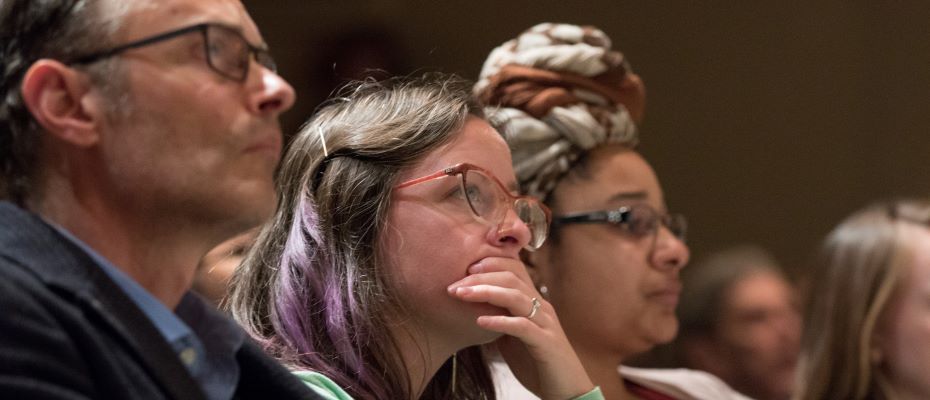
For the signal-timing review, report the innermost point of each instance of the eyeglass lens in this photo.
(642, 221)
(488, 201)
(229, 53)
(678, 225)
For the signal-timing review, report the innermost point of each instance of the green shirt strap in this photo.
(323, 386)
(594, 394)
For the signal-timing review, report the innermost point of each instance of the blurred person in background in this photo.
(866, 319)
(217, 266)
(740, 321)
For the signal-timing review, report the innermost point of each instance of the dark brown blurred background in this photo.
(767, 122)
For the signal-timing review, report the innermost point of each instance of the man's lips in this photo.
(667, 295)
(270, 145)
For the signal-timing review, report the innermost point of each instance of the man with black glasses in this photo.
(134, 136)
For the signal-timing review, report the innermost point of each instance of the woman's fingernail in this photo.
(463, 290)
(474, 269)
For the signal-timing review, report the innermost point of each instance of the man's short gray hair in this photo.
(31, 30)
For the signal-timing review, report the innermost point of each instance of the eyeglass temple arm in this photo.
(583, 218)
(438, 174)
(144, 42)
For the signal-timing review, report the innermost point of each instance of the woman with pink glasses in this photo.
(394, 253)
(569, 106)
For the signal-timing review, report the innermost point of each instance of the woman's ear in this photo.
(54, 93)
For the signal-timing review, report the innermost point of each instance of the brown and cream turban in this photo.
(556, 91)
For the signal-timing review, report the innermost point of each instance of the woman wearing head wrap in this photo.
(568, 106)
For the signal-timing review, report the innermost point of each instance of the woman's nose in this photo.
(512, 232)
(669, 250)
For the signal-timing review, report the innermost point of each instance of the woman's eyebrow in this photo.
(640, 195)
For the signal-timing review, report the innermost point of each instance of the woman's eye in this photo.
(474, 195)
(455, 192)
(640, 224)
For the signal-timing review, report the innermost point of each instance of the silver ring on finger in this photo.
(536, 305)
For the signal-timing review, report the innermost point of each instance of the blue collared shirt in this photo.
(191, 325)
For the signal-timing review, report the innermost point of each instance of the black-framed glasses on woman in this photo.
(489, 200)
(228, 53)
(639, 220)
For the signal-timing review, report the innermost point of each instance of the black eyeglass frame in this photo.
(260, 54)
(621, 216)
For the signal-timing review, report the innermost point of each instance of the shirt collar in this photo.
(168, 324)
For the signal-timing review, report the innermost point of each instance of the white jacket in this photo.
(683, 384)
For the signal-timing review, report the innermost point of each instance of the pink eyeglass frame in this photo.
(465, 167)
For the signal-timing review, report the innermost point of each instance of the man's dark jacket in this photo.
(68, 332)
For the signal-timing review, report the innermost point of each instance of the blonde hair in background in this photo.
(863, 262)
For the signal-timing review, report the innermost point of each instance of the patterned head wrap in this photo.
(555, 92)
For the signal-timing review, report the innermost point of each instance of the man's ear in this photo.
(54, 94)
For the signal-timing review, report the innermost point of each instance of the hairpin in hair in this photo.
(323, 140)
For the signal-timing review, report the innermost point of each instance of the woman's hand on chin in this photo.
(534, 345)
